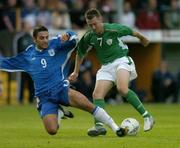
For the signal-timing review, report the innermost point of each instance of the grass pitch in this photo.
(21, 127)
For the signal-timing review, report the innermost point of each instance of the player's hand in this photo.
(64, 37)
(73, 77)
(144, 42)
(71, 33)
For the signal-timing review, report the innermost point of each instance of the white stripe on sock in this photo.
(60, 115)
(145, 113)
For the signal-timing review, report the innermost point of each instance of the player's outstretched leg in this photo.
(99, 113)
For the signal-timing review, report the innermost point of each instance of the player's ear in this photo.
(34, 39)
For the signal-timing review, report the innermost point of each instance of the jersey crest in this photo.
(109, 41)
(51, 52)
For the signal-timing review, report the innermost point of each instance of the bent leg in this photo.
(123, 77)
(51, 123)
(49, 115)
(78, 100)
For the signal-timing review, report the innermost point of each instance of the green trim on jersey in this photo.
(108, 45)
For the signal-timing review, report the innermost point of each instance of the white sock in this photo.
(60, 115)
(145, 113)
(101, 115)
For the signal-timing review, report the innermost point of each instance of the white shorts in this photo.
(109, 71)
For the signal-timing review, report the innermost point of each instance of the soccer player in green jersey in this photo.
(117, 67)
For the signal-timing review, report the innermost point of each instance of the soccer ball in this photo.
(132, 125)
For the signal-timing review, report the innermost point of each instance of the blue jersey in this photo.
(45, 67)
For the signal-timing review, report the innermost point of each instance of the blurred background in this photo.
(158, 65)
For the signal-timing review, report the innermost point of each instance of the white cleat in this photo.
(148, 123)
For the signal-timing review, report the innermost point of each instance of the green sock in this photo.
(100, 103)
(133, 99)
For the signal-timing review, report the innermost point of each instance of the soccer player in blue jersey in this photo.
(45, 61)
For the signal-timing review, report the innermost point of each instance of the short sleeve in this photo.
(122, 30)
(84, 45)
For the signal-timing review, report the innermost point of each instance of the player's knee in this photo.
(97, 94)
(52, 130)
(94, 94)
(122, 90)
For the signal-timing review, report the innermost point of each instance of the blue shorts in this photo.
(50, 101)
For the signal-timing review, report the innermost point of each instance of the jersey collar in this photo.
(37, 49)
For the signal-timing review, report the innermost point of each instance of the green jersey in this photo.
(108, 45)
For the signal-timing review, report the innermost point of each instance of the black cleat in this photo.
(94, 131)
(121, 132)
(67, 113)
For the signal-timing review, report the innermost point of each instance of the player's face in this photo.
(42, 39)
(96, 24)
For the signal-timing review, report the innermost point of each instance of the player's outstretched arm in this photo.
(13, 64)
(144, 41)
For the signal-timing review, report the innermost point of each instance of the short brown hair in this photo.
(91, 13)
(38, 29)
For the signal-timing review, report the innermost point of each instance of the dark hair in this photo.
(39, 29)
(91, 13)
